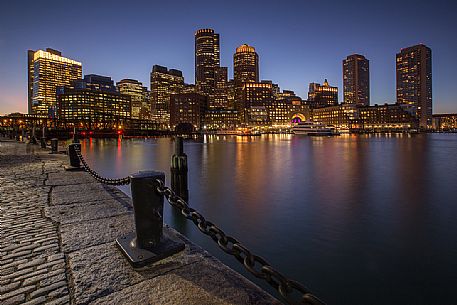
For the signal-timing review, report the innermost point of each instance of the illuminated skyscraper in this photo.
(245, 68)
(356, 80)
(164, 83)
(137, 93)
(414, 82)
(48, 70)
(322, 95)
(207, 61)
(221, 89)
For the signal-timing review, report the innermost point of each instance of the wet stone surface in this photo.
(57, 244)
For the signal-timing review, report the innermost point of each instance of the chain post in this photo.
(147, 244)
(75, 135)
(179, 170)
(43, 137)
(54, 145)
(33, 136)
(75, 162)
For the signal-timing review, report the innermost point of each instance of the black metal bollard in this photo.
(43, 138)
(75, 163)
(33, 137)
(147, 244)
(54, 145)
(75, 136)
(179, 170)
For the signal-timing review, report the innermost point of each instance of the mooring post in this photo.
(75, 136)
(43, 137)
(16, 133)
(75, 163)
(54, 145)
(179, 170)
(33, 136)
(147, 244)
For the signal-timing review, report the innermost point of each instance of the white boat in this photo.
(311, 128)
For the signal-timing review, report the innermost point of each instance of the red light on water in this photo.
(119, 132)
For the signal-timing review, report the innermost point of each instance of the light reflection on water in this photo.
(358, 219)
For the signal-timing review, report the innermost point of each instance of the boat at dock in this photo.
(311, 128)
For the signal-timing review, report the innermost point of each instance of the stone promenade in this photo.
(57, 232)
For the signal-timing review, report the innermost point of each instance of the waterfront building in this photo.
(341, 116)
(221, 119)
(164, 83)
(138, 95)
(387, 117)
(245, 68)
(207, 61)
(48, 70)
(322, 95)
(256, 99)
(220, 89)
(187, 111)
(377, 118)
(93, 103)
(414, 82)
(356, 80)
(287, 109)
(445, 122)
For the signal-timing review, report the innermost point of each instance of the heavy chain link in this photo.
(120, 181)
(253, 263)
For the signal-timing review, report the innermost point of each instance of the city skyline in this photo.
(293, 68)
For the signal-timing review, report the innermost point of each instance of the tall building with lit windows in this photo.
(255, 103)
(322, 95)
(245, 68)
(93, 103)
(356, 80)
(48, 70)
(220, 89)
(137, 93)
(207, 61)
(414, 82)
(164, 83)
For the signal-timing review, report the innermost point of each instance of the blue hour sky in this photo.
(298, 42)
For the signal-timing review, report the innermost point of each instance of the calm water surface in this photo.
(357, 219)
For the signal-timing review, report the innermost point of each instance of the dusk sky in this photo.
(298, 42)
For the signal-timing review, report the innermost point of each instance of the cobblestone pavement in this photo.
(57, 244)
(32, 265)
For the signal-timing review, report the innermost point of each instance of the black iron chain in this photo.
(253, 263)
(120, 181)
